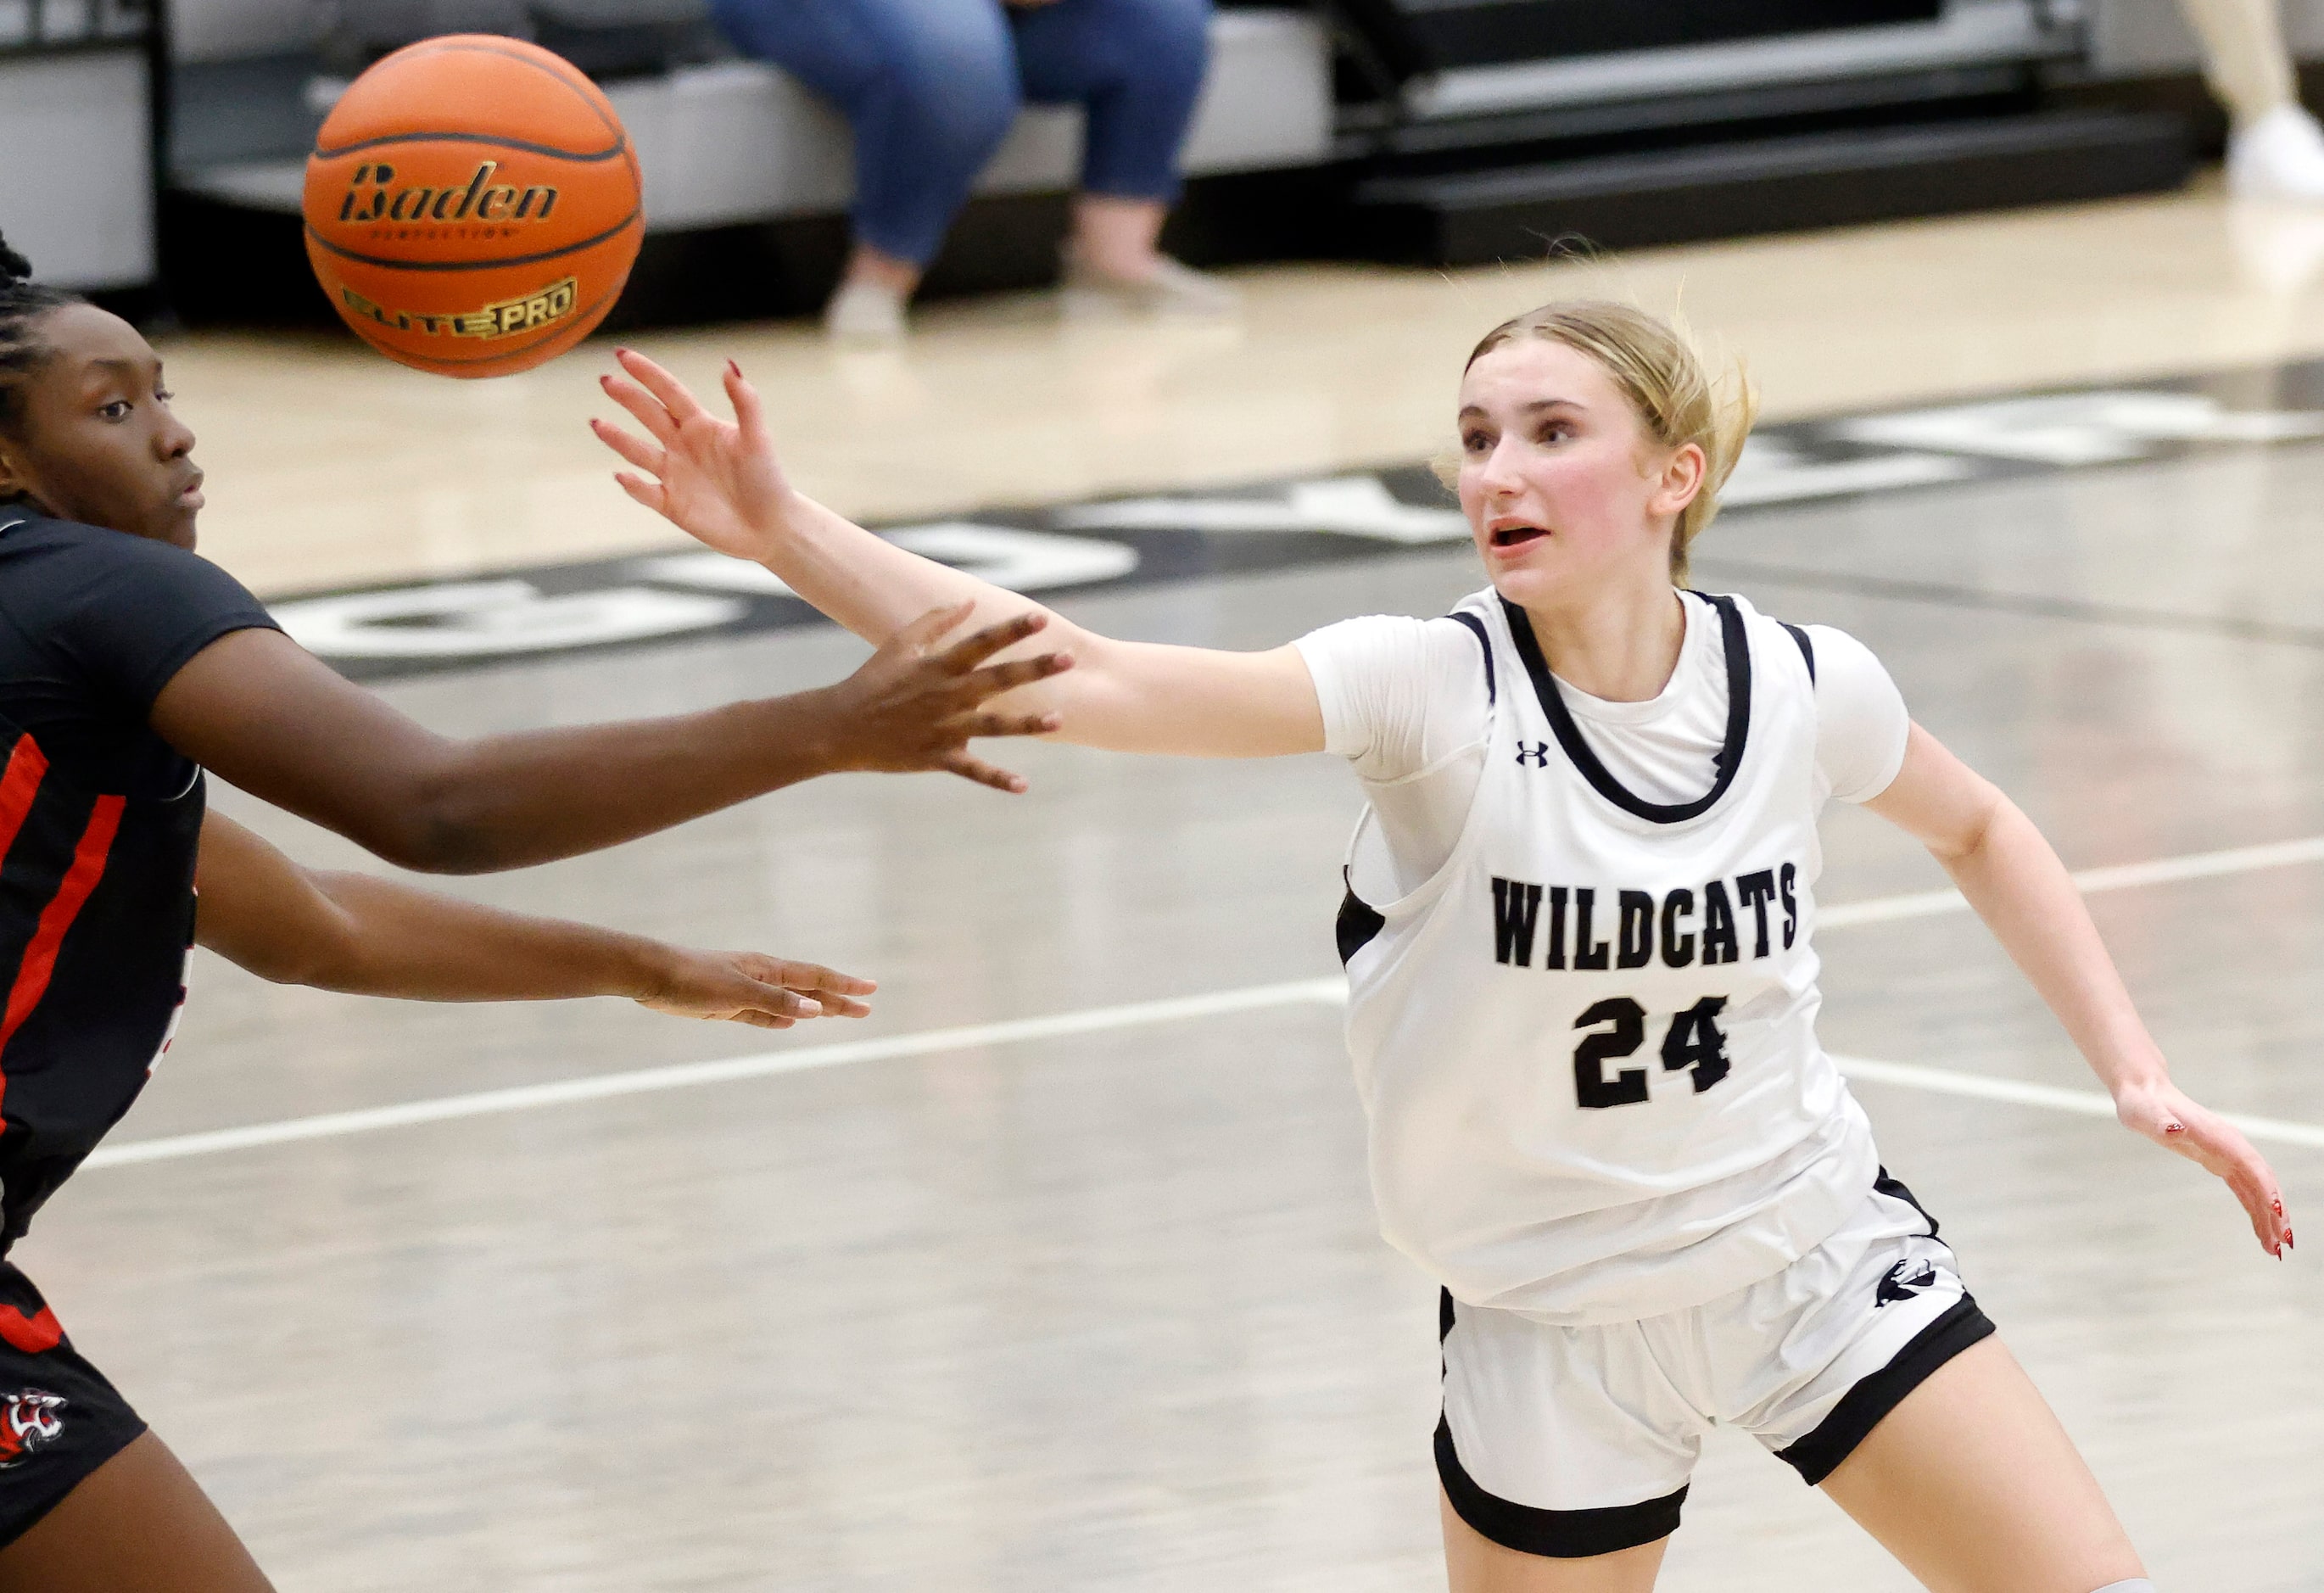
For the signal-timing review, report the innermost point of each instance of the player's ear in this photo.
(1683, 477)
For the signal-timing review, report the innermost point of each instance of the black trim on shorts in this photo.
(1554, 1534)
(1889, 1184)
(1860, 1409)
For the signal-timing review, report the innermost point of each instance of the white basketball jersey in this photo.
(1587, 1044)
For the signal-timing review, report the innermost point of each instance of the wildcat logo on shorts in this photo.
(28, 1421)
(1903, 1282)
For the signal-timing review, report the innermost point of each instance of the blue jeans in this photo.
(931, 87)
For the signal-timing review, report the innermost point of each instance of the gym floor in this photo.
(955, 1300)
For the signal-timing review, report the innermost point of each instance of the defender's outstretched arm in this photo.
(720, 480)
(259, 711)
(375, 937)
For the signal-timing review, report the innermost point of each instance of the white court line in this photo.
(1330, 990)
(2088, 1103)
(2199, 865)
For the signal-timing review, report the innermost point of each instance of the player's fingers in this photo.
(775, 1001)
(2222, 1147)
(644, 454)
(915, 638)
(762, 1020)
(984, 774)
(967, 653)
(1009, 725)
(647, 410)
(995, 678)
(674, 394)
(814, 976)
(749, 414)
(648, 492)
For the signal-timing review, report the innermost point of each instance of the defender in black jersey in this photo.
(128, 666)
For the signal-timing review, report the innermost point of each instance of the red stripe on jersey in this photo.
(34, 1335)
(18, 786)
(41, 957)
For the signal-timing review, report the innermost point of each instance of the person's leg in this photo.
(1137, 69)
(1563, 1454)
(1474, 1564)
(2244, 56)
(2276, 150)
(929, 90)
(138, 1524)
(1974, 1486)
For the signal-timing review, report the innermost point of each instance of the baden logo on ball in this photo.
(473, 206)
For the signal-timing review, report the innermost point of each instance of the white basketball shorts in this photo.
(1568, 1442)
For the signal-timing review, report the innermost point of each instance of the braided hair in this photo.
(23, 303)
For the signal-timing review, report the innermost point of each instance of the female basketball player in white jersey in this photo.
(1580, 951)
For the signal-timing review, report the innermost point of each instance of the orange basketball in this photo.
(473, 206)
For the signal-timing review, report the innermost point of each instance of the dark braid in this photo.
(22, 302)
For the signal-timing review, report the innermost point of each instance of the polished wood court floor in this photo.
(1106, 1309)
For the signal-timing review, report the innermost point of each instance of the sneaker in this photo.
(864, 312)
(1170, 287)
(2281, 156)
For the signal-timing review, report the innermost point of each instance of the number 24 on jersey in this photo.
(1693, 1043)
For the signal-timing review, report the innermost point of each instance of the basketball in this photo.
(473, 206)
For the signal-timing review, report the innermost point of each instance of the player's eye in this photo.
(165, 395)
(118, 410)
(1475, 442)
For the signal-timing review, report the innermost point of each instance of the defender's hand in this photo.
(915, 706)
(744, 987)
(718, 480)
(2165, 1114)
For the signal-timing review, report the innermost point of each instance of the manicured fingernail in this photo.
(734, 368)
(2279, 1208)
(2287, 1239)
(2174, 1127)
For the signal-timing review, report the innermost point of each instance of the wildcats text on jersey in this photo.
(1598, 928)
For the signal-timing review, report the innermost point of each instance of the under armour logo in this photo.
(1903, 1283)
(1535, 757)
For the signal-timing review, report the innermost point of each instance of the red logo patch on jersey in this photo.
(28, 1421)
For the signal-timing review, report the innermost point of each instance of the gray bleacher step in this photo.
(1764, 185)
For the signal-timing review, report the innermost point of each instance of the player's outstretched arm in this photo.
(2022, 890)
(374, 937)
(720, 480)
(261, 713)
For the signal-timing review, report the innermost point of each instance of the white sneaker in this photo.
(864, 312)
(1169, 289)
(2281, 156)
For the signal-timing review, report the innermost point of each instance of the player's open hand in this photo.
(745, 987)
(2165, 1114)
(915, 703)
(716, 479)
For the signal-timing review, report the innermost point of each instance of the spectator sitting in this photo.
(930, 88)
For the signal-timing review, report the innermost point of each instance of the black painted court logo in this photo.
(374, 633)
(1904, 1281)
(28, 1421)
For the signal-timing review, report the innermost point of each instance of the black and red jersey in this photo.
(100, 823)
